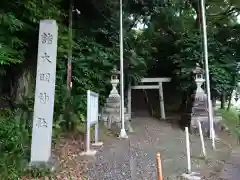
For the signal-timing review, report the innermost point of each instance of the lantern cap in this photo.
(115, 71)
(198, 69)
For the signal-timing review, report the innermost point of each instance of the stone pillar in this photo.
(44, 92)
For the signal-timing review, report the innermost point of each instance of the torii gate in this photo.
(159, 86)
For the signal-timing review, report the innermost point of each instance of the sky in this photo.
(140, 26)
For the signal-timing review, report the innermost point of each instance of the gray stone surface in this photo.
(231, 169)
(135, 158)
(200, 113)
(50, 165)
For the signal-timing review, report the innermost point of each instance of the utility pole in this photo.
(123, 133)
(210, 111)
(69, 64)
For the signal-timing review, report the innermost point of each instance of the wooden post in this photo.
(159, 167)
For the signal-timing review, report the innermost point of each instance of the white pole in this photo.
(201, 137)
(88, 139)
(210, 115)
(188, 151)
(123, 133)
(212, 129)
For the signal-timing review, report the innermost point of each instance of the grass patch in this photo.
(231, 119)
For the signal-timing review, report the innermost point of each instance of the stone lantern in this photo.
(114, 82)
(200, 94)
(200, 107)
(111, 110)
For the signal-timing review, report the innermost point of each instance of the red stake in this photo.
(159, 167)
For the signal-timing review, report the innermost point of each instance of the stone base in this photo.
(110, 121)
(205, 124)
(50, 165)
(191, 176)
(97, 144)
(123, 134)
(88, 153)
(128, 126)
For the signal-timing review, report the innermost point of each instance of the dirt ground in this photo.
(135, 158)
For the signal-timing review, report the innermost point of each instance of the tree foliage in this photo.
(170, 44)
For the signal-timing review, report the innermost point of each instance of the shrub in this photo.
(231, 119)
(14, 141)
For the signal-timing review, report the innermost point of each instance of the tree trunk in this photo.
(214, 101)
(223, 100)
(229, 100)
(23, 86)
(183, 102)
(196, 5)
(233, 87)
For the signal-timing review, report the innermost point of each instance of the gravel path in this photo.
(134, 158)
(231, 169)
